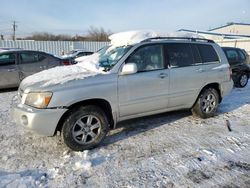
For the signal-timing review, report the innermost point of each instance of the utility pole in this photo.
(14, 26)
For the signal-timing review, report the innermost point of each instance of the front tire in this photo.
(207, 103)
(85, 128)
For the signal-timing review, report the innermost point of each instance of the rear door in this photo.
(31, 62)
(187, 74)
(9, 74)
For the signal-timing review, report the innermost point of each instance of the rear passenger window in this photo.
(196, 54)
(179, 55)
(232, 55)
(207, 53)
(29, 58)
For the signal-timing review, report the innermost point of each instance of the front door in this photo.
(145, 91)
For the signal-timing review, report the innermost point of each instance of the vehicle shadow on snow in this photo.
(25, 176)
(8, 90)
(136, 126)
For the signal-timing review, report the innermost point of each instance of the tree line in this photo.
(93, 34)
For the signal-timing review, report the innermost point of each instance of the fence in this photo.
(56, 47)
(239, 43)
(53, 47)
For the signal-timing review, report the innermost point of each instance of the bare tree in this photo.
(44, 36)
(94, 34)
(98, 34)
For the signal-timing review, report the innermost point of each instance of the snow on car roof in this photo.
(133, 37)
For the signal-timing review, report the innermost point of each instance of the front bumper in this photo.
(41, 121)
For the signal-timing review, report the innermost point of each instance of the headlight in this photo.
(37, 100)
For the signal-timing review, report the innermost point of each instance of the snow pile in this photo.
(83, 162)
(62, 74)
(133, 37)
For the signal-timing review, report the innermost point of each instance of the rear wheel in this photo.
(207, 103)
(242, 80)
(84, 128)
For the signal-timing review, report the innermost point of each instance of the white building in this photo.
(228, 31)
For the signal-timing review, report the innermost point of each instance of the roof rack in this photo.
(177, 38)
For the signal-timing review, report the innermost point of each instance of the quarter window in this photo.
(241, 55)
(7, 59)
(207, 53)
(148, 58)
(179, 55)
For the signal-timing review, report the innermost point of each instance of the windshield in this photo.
(109, 56)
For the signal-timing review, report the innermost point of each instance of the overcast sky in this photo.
(76, 16)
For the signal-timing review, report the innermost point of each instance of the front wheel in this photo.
(207, 103)
(84, 128)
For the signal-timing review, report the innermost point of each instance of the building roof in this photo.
(225, 35)
(229, 24)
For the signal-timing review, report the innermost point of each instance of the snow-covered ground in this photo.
(167, 150)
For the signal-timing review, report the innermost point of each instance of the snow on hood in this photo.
(133, 37)
(62, 74)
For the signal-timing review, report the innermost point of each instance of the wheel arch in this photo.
(214, 85)
(101, 103)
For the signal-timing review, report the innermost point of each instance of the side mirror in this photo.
(129, 68)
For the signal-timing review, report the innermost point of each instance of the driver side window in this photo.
(148, 58)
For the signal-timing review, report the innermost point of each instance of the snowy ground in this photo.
(167, 150)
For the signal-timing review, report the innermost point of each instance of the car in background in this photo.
(239, 63)
(16, 64)
(77, 53)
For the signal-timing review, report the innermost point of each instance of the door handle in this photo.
(163, 75)
(200, 70)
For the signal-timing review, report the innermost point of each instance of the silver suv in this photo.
(152, 76)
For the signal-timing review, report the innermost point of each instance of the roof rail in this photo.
(177, 38)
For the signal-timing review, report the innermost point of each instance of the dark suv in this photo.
(239, 63)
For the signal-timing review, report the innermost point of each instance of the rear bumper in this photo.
(41, 121)
(226, 88)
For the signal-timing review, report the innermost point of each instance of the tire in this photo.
(242, 80)
(85, 128)
(207, 103)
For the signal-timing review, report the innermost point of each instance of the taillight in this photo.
(66, 63)
(230, 73)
